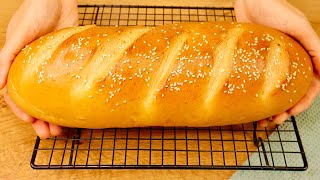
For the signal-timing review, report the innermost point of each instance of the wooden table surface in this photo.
(17, 138)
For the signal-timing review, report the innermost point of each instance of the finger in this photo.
(280, 118)
(13, 45)
(307, 99)
(55, 130)
(69, 16)
(311, 42)
(241, 11)
(263, 123)
(17, 37)
(6, 58)
(16, 110)
(41, 128)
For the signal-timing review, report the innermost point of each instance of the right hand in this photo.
(279, 14)
(33, 19)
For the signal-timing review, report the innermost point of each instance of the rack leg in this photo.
(75, 141)
(259, 142)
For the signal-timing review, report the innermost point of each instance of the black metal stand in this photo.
(168, 148)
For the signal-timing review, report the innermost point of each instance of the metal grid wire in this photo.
(150, 15)
(227, 147)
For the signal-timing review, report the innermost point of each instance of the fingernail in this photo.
(27, 118)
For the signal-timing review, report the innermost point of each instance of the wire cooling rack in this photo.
(227, 147)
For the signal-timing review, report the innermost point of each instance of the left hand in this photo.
(33, 19)
(281, 15)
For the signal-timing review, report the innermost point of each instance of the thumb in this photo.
(6, 58)
(15, 41)
(311, 42)
(240, 8)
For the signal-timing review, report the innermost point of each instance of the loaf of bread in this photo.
(188, 74)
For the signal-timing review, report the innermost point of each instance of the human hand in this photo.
(281, 15)
(33, 19)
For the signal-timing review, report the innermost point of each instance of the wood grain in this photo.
(162, 139)
(310, 8)
(17, 138)
(16, 144)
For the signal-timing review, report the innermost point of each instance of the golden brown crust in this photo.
(189, 74)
